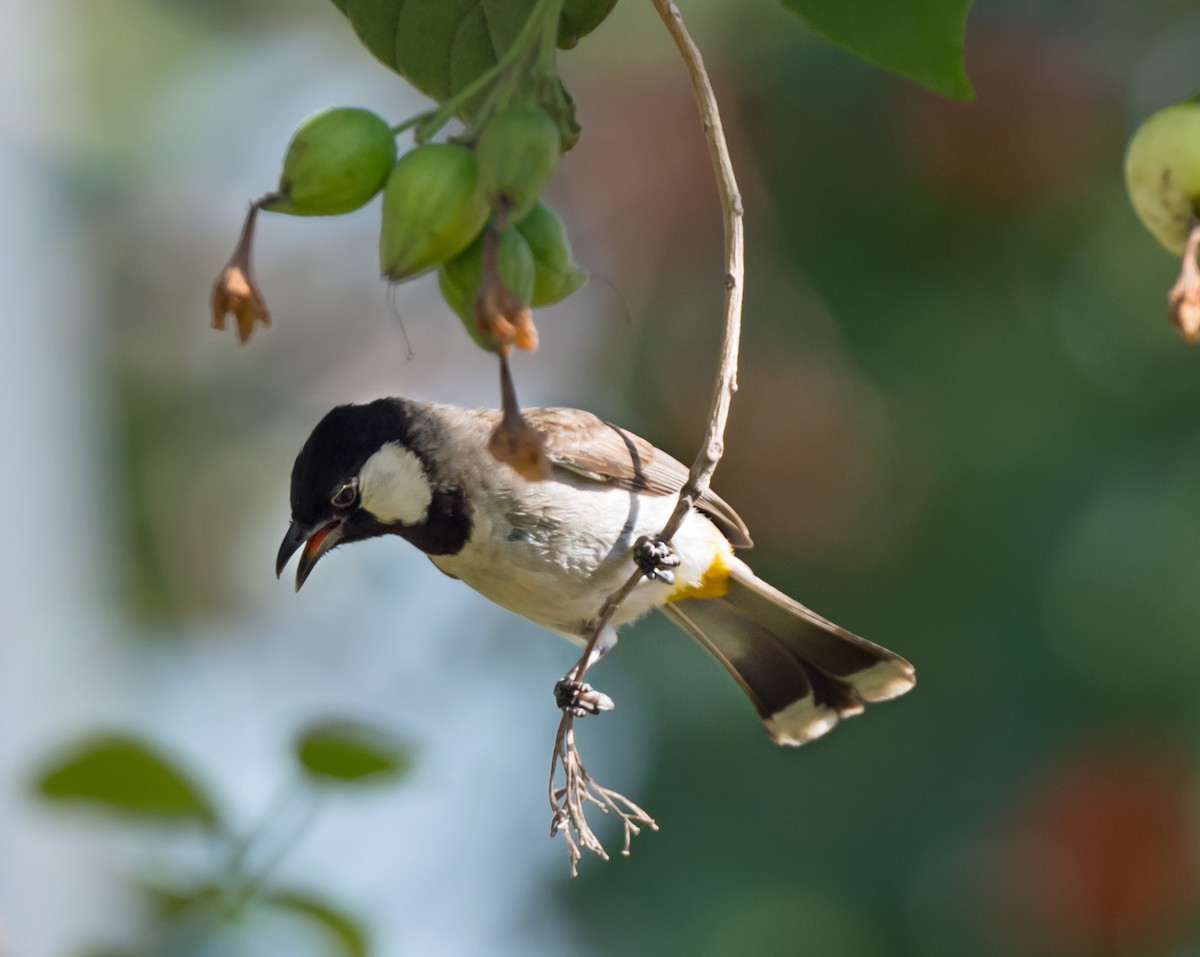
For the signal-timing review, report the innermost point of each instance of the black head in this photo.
(366, 471)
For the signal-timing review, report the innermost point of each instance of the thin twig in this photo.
(568, 802)
(731, 210)
(579, 789)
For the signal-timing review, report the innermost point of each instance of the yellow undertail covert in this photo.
(713, 583)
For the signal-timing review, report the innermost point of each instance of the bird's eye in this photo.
(345, 496)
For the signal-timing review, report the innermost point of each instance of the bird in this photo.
(552, 550)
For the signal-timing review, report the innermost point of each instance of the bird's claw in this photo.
(580, 699)
(655, 558)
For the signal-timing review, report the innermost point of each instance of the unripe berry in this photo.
(1162, 173)
(337, 160)
(432, 209)
(556, 274)
(518, 150)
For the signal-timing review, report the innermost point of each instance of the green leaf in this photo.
(123, 774)
(919, 39)
(440, 46)
(348, 931)
(579, 18)
(351, 752)
(170, 898)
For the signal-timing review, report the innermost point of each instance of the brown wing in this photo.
(585, 444)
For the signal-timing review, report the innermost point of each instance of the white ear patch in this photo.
(393, 486)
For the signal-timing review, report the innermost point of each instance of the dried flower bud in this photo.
(503, 318)
(235, 293)
(521, 446)
(488, 286)
(514, 441)
(1184, 297)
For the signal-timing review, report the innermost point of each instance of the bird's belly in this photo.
(558, 574)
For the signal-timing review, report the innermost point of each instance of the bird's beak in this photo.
(316, 543)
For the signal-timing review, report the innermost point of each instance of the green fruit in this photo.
(337, 160)
(1162, 173)
(518, 150)
(459, 277)
(557, 275)
(432, 209)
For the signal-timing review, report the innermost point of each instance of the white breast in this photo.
(553, 551)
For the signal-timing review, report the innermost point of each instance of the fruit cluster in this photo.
(472, 213)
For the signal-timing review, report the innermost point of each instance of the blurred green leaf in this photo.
(919, 39)
(351, 752)
(440, 46)
(581, 17)
(347, 930)
(170, 897)
(122, 773)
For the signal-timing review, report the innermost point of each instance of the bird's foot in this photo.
(656, 559)
(580, 699)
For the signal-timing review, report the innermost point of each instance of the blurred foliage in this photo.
(345, 929)
(443, 46)
(921, 40)
(118, 772)
(220, 909)
(350, 753)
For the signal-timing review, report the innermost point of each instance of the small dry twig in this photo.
(577, 791)
(569, 801)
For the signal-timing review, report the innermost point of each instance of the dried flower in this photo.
(521, 446)
(1184, 297)
(235, 293)
(514, 441)
(502, 316)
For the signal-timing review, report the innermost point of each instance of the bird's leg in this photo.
(655, 558)
(571, 693)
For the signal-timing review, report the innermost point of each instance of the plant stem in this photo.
(549, 44)
(243, 845)
(412, 121)
(569, 802)
(258, 878)
(521, 45)
(726, 385)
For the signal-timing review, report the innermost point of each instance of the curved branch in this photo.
(569, 801)
(726, 385)
(731, 209)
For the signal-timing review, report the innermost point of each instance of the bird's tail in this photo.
(802, 672)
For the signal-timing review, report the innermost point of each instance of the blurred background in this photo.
(965, 430)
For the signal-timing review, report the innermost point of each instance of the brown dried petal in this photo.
(521, 446)
(503, 318)
(236, 294)
(1184, 297)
